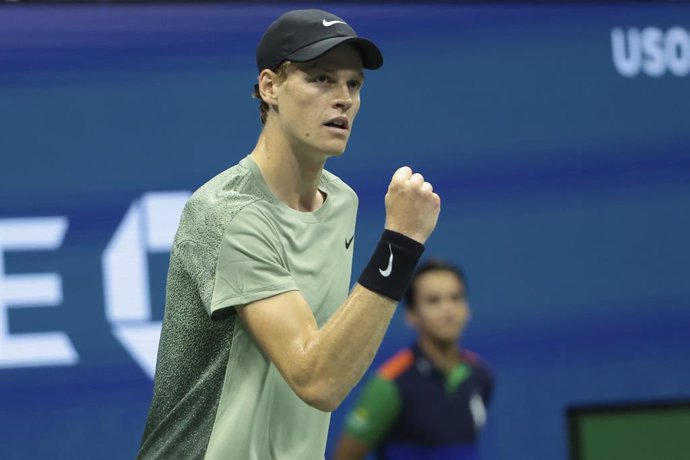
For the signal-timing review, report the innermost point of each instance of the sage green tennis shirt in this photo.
(216, 395)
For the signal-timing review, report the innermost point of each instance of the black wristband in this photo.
(391, 266)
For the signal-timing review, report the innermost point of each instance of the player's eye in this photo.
(355, 84)
(322, 79)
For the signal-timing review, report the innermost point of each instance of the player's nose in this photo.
(342, 97)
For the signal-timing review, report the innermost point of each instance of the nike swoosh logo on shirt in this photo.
(387, 272)
(348, 243)
(330, 23)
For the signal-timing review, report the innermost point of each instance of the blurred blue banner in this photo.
(557, 136)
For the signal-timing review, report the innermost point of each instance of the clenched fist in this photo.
(412, 207)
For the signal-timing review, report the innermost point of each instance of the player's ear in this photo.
(267, 86)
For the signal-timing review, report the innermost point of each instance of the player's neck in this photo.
(444, 355)
(291, 177)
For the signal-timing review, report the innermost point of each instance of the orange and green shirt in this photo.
(411, 410)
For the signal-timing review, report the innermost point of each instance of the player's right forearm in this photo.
(343, 349)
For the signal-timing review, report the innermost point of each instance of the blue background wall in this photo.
(565, 187)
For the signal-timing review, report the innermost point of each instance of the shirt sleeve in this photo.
(247, 265)
(251, 263)
(375, 412)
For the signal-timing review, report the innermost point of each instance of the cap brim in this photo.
(371, 56)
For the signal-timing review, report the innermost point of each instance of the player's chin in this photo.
(334, 148)
(334, 141)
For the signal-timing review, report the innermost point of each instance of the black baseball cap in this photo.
(303, 35)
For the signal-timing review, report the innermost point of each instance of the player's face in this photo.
(441, 311)
(318, 101)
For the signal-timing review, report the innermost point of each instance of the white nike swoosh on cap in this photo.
(330, 23)
(387, 272)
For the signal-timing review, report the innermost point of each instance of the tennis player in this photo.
(261, 340)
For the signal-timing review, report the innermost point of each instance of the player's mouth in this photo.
(339, 125)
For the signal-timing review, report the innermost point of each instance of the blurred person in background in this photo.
(429, 400)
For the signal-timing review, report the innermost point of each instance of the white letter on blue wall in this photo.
(34, 290)
(148, 227)
(627, 59)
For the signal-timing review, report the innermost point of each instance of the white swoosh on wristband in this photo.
(387, 272)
